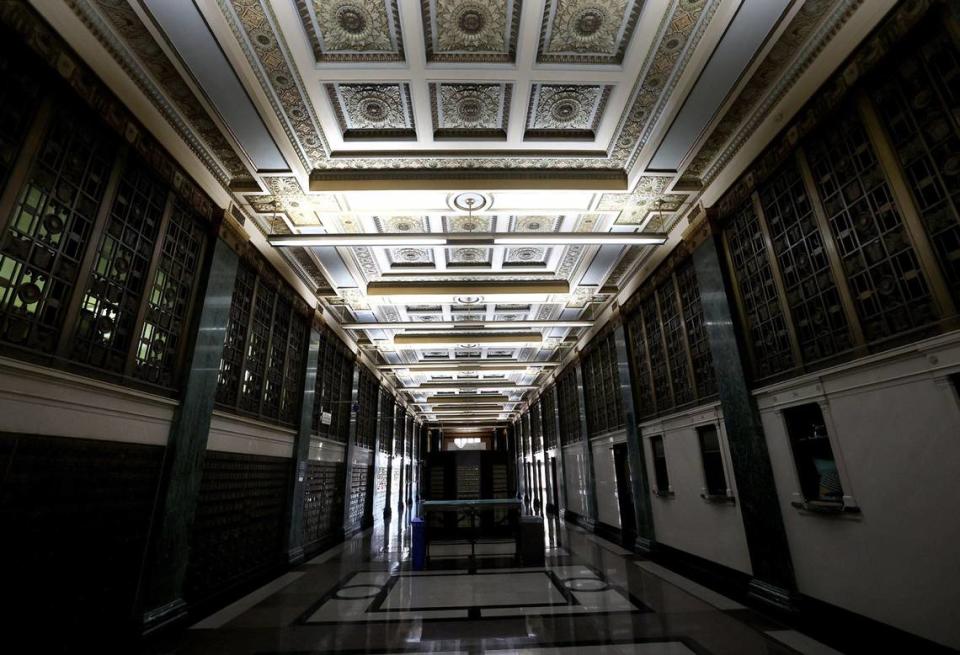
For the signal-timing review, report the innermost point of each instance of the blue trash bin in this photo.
(418, 547)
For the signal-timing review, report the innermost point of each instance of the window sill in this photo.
(719, 499)
(666, 495)
(825, 507)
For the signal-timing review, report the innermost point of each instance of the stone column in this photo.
(161, 590)
(639, 482)
(390, 446)
(301, 453)
(348, 528)
(773, 580)
(561, 470)
(590, 520)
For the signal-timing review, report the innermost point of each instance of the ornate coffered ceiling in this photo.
(352, 30)
(543, 96)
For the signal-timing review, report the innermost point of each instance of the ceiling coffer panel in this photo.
(373, 110)
(466, 110)
(352, 31)
(566, 111)
(587, 31)
(474, 31)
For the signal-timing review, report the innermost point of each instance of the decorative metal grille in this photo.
(257, 347)
(331, 407)
(601, 386)
(231, 362)
(367, 414)
(264, 357)
(386, 421)
(108, 313)
(536, 427)
(170, 298)
(766, 325)
(704, 375)
(643, 390)
(50, 228)
(658, 358)
(676, 344)
(295, 369)
(919, 103)
(549, 404)
(569, 407)
(811, 291)
(889, 287)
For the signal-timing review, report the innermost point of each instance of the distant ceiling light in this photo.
(507, 365)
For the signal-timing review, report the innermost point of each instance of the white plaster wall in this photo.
(44, 401)
(574, 478)
(605, 477)
(894, 424)
(236, 434)
(685, 521)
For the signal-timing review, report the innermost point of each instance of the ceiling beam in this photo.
(464, 325)
(506, 365)
(425, 340)
(458, 240)
(478, 179)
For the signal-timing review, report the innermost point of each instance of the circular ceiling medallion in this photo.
(470, 110)
(565, 110)
(470, 254)
(375, 110)
(351, 20)
(468, 300)
(470, 201)
(589, 22)
(410, 254)
(471, 21)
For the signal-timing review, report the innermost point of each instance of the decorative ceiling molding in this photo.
(352, 31)
(253, 24)
(470, 110)
(587, 31)
(373, 110)
(471, 31)
(131, 45)
(565, 111)
(812, 28)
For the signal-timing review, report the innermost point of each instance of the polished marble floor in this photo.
(591, 597)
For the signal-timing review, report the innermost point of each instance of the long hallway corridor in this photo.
(591, 597)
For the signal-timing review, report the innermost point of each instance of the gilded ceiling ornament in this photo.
(565, 108)
(407, 256)
(353, 25)
(405, 224)
(525, 255)
(469, 255)
(468, 223)
(471, 30)
(352, 31)
(587, 31)
(469, 106)
(535, 223)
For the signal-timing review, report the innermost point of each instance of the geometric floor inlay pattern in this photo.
(555, 590)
